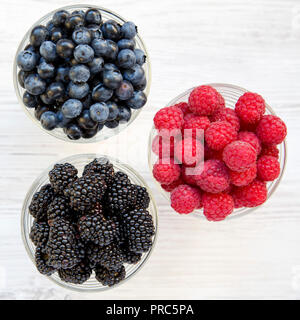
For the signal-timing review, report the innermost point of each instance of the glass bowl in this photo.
(231, 94)
(79, 161)
(105, 133)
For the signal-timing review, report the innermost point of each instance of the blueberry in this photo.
(48, 120)
(110, 66)
(27, 60)
(65, 48)
(125, 91)
(62, 74)
(112, 50)
(55, 90)
(79, 73)
(56, 34)
(111, 30)
(48, 50)
(128, 30)
(140, 56)
(59, 17)
(85, 121)
(73, 131)
(95, 31)
(62, 121)
(135, 74)
(99, 112)
(93, 16)
(101, 93)
(113, 110)
(112, 124)
(137, 101)
(124, 114)
(78, 91)
(71, 108)
(38, 35)
(81, 12)
(82, 36)
(39, 110)
(21, 77)
(50, 26)
(45, 99)
(74, 20)
(46, 70)
(100, 47)
(34, 84)
(96, 65)
(126, 44)
(126, 59)
(141, 86)
(90, 133)
(112, 78)
(83, 53)
(29, 100)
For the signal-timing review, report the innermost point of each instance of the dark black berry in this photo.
(61, 176)
(78, 274)
(42, 261)
(102, 167)
(39, 233)
(109, 277)
(40, 202)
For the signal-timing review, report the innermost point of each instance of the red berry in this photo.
(205, 100)
(252, 195)
(250, 107)
(188, 175)
(168, 118)
(214, 178)
(219, 134)
(170, 187)
(197, 124)
(189, 151)
(185, 199)
(163, 147)
(184, 107)
(239, 156)
(228, 115)
(166, 171)
(270, 150)
(217, 207)
(240, 179)
(268, 168)
(212, 154)
(251, 138)
(271, 130)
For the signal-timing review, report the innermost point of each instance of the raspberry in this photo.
(250, 107)
(169, 118)
(163, 147)
(214, 177)
(270, 150)
(268, 168)
(228, 115)
(183, 106)
(239, 156)
(252, 195)
(251, 138)
(185, 199)
(205, 100)
(212, 154)
(188, 178)
(166, 171)
(219, 134)
(243, 178)
(248, 126)
(170, 187)
(196, 123)
(189, 151)
(217, 207)
(271, 130)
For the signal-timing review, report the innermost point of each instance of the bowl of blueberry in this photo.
(89, 241)
(82, 73)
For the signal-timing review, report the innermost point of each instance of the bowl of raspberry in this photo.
(89, 222)
(217, 151)
(82, 73)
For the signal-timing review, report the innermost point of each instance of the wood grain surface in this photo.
(254, 44)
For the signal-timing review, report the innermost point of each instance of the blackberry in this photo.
(110, 277)
(84, 192)
(58, 208)
(103, 167)
(130, 257)
(39, 233)
(40, 201)
(78, 274)
(62, 175)
(142, 199)
(62, 245)
(111, 257)
(42, 261)
(120, 233)
(93, 254)
(139, 230)
(121, 195)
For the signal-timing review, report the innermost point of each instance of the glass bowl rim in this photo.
(25, 213)
(282, 152)
(17, 87)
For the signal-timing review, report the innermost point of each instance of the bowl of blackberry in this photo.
(89, 222)
(232, 167)
(82, 73)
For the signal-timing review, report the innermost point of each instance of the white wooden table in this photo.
(253, 44)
